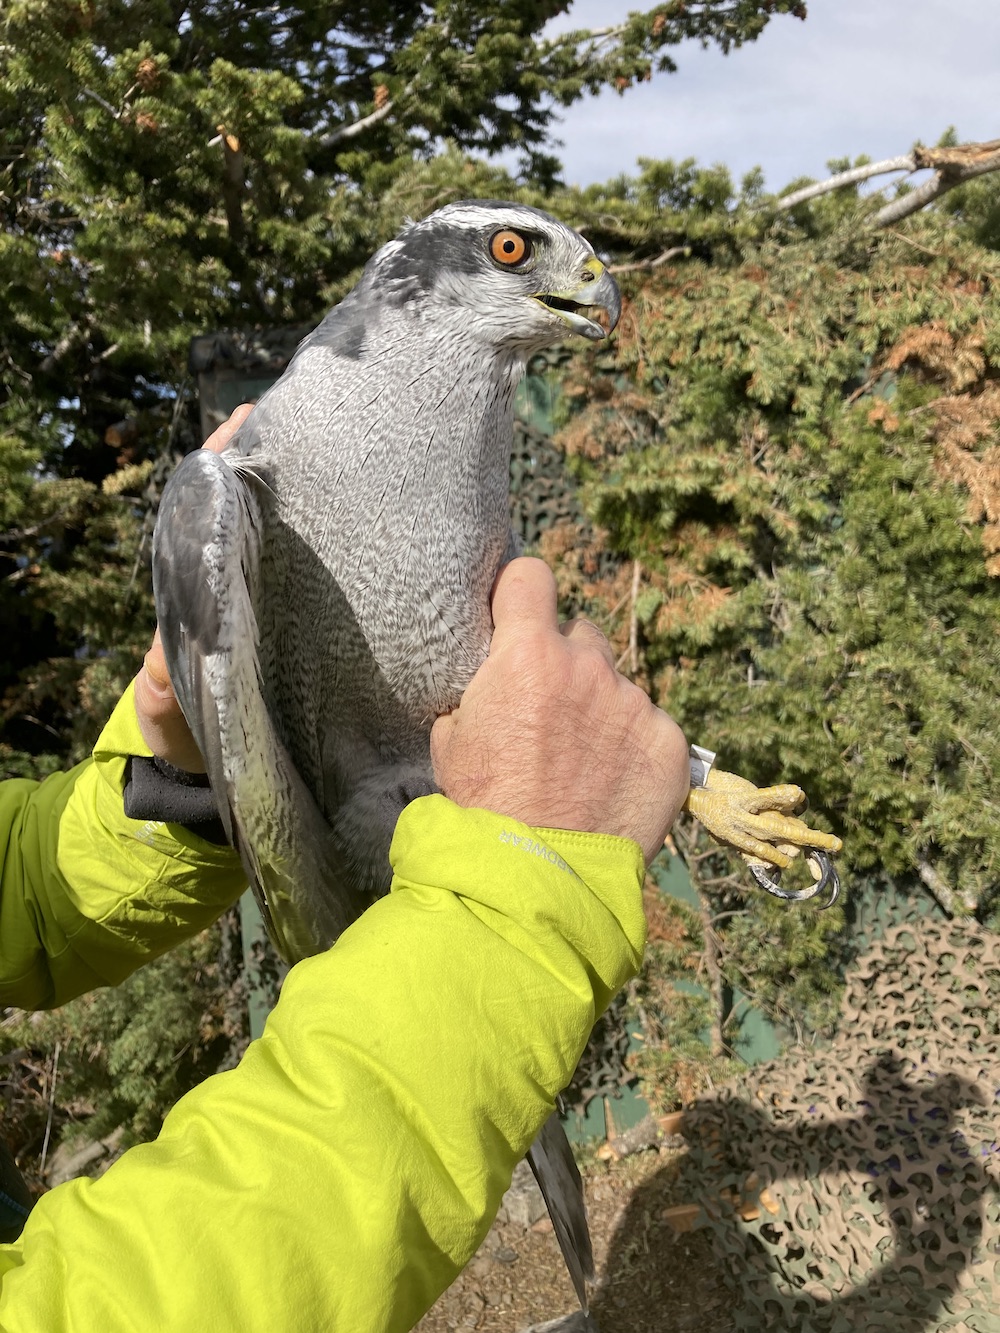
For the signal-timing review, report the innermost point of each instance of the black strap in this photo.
(15, 1199)
(157, 790)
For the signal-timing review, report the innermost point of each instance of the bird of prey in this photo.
(322, 586)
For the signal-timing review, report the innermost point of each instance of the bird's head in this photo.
(511, 275)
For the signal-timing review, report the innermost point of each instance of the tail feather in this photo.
(552, 1161)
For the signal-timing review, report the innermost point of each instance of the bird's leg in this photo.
(762, 825)
(364, 824)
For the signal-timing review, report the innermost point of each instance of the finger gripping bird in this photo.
(322, 587)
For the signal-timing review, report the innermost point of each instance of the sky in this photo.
(858, 76)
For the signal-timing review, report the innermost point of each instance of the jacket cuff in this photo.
(597, 882)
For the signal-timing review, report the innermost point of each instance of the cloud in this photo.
(858, 76)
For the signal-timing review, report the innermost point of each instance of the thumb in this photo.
(159, 714)
(155, 666)
(524, 601)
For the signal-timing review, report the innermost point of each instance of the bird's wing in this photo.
(551, 1159)
(206, 562)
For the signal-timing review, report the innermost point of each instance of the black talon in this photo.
(828, 876)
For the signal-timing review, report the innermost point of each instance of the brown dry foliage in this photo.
(665, 924)
(965, 420)
(967, 434)
(574, 553)
(147, 74)
(883, 414)
(958, 363)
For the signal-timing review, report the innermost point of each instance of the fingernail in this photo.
(157, 679)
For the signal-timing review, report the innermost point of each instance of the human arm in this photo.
(86, 894)
(345, 1172)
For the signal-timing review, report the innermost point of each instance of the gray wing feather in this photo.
(206, 559)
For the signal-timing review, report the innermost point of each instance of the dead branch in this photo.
(357, 127)
(96, 97)
(665, 257)
(944, 895)
(77, 332)
(52, 1107)
(597, 37)
(233, 183)
(951, 166)
(842, 178)
(924, 249)
(384, 106)
(941, 892)
(633, 622)
(631, 653)
(123, 434)
(970, 157)
(646, 1134)
(714, 970)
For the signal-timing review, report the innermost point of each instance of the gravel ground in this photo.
(650, 1279)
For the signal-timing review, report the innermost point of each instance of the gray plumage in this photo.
(322, 586)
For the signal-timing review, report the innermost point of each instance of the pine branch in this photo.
(357, 127)
(380, 113)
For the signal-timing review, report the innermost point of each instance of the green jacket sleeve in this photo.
(344, 1173)
(86, 894)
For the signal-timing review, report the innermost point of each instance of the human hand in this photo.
(160, 718)
(549, 733)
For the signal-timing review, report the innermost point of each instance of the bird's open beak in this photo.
(598, 292)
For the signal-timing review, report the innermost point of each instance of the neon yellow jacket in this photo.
(345, 1172)
(86, 895)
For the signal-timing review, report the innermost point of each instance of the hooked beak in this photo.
(598, 290)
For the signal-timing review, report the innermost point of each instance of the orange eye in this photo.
(510, 248)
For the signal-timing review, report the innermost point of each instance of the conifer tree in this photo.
(793, 443)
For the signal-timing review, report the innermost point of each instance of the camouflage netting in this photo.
(541, 494)
(860, 1183)
(603, 1069)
